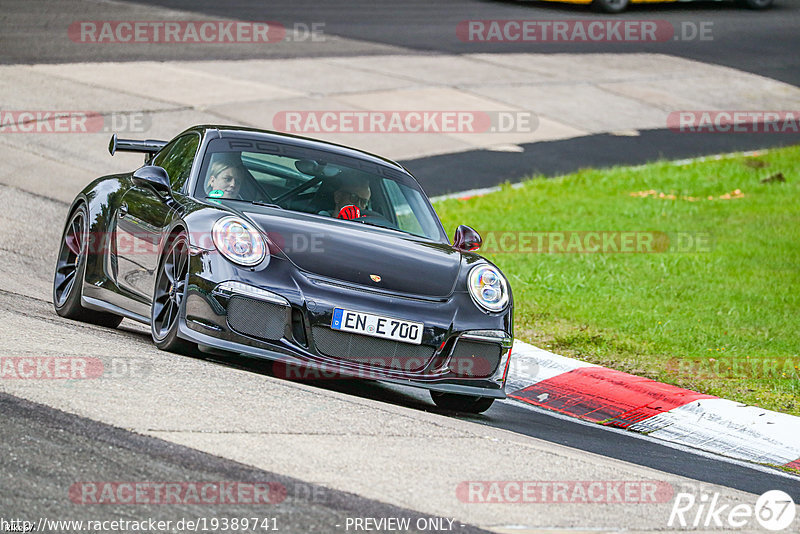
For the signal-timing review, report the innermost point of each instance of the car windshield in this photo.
(316, 182)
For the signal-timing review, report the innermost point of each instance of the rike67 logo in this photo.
(774, 510)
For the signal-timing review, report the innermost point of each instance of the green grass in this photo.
(723, 319)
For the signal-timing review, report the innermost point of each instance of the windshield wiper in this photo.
(255, 202)
(392, 228)
(378, 225)
(266, 204)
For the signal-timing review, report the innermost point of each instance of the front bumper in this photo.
(283, 314)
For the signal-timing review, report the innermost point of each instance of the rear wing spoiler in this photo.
(149, 146)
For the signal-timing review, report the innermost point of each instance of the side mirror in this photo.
(466, 239)
(154, 176)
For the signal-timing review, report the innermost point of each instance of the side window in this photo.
(177, 158)
(406, 219)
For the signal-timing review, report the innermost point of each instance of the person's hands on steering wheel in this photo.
(349, 213)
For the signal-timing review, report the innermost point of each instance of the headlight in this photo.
(238, 241)
(488, 288)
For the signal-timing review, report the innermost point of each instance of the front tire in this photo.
(168, 296)
(70, 270)
(461, 403)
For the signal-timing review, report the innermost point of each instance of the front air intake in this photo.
(371, 351)
(258, 319)
(472, 359)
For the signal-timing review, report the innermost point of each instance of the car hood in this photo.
(357, 253)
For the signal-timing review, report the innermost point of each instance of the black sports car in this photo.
(315, 255)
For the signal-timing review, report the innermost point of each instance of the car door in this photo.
(142, 216)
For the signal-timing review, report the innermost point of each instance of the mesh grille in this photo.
(256, 318)
(475, 360)
(372, 351)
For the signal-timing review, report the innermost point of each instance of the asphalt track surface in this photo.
(763, 42)
(537, 423)
(450, 173)
(60, 449)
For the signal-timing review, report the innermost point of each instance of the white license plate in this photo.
(377, 326)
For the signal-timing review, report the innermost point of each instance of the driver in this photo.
(352, 191)
(225, 176)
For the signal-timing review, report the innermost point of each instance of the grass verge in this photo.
(707, 299)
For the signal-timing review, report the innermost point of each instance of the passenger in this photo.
(225, 176)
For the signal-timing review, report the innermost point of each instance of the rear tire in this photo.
(610, 6)
(168, 296)
(70, 270)
(461, 403)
